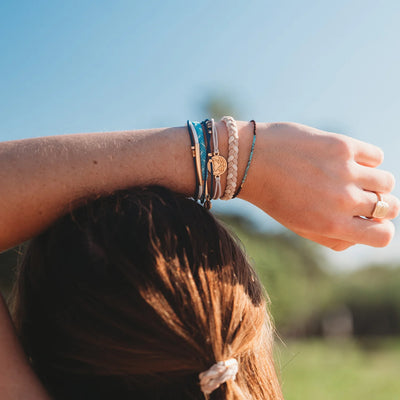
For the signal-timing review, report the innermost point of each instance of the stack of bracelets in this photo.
(209, 165)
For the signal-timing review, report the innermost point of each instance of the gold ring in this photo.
(381, 207)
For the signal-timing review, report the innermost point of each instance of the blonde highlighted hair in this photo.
(134, 294)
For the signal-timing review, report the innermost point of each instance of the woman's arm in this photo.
(17, 380)
(40, 178)
(311, 181)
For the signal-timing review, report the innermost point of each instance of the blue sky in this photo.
(84, 66)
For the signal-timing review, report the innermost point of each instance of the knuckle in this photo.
(346, 171)
(341, 147)
(346, 199)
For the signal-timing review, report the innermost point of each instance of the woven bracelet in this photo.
(233, 154)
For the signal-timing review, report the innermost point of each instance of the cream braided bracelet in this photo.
(233, 154)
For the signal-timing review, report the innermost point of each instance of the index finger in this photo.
(367, 154)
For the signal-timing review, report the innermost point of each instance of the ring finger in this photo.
(368, 200)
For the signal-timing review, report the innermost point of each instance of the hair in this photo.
(134, 294)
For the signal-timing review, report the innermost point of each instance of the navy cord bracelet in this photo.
(204, 198)
(208, 130)
(250, 157)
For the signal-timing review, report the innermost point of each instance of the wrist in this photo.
(251, 187)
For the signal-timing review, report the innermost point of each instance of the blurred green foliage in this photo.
(308, 298)
(218, 103)
(343, 369)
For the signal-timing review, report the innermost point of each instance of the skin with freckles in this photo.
(318, 184)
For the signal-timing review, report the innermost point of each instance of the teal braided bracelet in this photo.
(203, 151)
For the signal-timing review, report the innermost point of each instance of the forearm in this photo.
(40, 178)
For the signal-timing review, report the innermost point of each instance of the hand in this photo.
(319, 184)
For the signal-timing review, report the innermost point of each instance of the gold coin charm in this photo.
(219, 165)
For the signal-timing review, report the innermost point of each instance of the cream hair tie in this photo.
(219, 373)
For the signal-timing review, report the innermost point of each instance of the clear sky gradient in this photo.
(84, 66)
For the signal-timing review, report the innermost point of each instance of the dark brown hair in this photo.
(134, 294)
